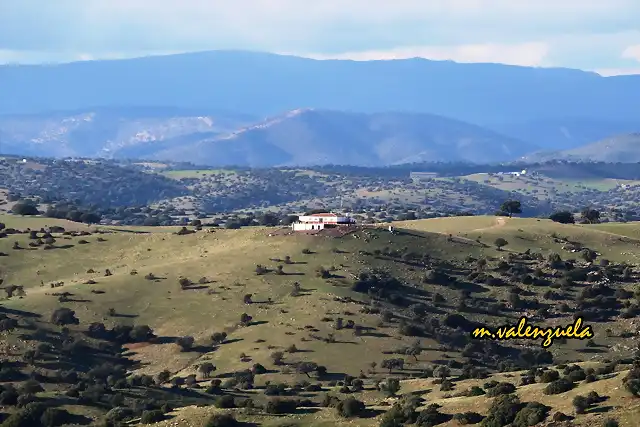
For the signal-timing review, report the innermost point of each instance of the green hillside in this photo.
(350, 304)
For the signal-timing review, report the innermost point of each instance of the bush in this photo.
(54, 417)
(150, 417)
(222, 420)
(225, 402)
(350, 408)
(501, 388)
(558, 386)
(64, 316)
(467, 418)
(610, 423)
(281, 406)
(580, 403)
(549, 376)
(503, 411)
(532, 414)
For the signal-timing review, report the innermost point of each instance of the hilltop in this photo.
(262, 84)
(305, 316)
(318, 137)
(120, 132)
(614, 149)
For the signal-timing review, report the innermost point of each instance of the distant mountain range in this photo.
(617, 149)
(189, 106)
(299, 137)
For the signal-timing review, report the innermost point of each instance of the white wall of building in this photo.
(304, 226)
(328, 219)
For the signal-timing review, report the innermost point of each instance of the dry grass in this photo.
(228, 259)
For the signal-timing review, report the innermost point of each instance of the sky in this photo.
(597, 35)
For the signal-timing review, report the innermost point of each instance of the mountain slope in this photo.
(567, 133)
(111, 132)
(266, 84)
(616, 149)
(313, 137)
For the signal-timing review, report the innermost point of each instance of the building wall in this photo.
(304, 226)
(325, 219)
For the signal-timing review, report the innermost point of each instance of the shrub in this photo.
(610, 423)
(222, 420)
(501, 388)
(580, 403)
(225, 402)
(549, 376)
(185, 343)
(503, 411)
(558, 386)
(281, 406)
(64, 316)
(467, 418)
(532, 414)
(475, 391)
(150, 417)
(350, 408)
(500, 243)
(54, 417)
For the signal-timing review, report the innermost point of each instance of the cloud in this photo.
(547, 32)
(632, 52)
(526, 54)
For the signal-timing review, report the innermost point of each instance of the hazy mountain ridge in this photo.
(616, 149)
(567, 133)
(109, 132)
(311, 137)
(298, 137)
(265, 84)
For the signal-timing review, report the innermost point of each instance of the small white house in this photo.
(321, 221)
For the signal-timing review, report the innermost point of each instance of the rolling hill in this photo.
(568, 133)
(124, 132)
(263, 84)
(616, 149)
(149, 323)
(299, 137)
(317, 137)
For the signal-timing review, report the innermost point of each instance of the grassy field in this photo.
(222, 269)
(542, 185)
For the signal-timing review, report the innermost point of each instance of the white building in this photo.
(320, 221)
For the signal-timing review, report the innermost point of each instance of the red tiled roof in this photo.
(324, 214)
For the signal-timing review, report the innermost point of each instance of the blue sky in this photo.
(600, 35)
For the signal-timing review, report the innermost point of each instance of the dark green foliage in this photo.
(25, 207)
(64, 316)
(281, 406)
(185, 343)
(549, 375)
(431, 417)
(466, 418)
(511, 207)
(503, 411)
(28, 416)
(350, 408)
(225, 402)
(150, 417)
(563, 217)
(501, 388)
(54, 417)
(580, 403)
(558, 386)
(222, 420)
(532, 414)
